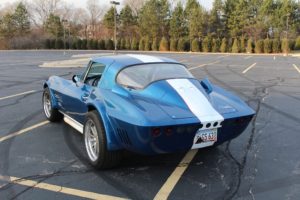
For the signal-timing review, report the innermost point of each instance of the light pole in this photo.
(115, 3)
(64, 21)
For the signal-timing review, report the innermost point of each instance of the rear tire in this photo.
(51, 113)
(96, 144)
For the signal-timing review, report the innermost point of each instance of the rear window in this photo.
(140, 76)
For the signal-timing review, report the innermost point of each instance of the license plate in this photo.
(205, 138)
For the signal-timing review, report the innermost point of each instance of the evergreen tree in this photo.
(223, 47)
(7, 26)
(267, 45)
(235, 46)
(259, 46)
(173, 45)
(164, 45)
(195, 45)
(154, 46)
(276, 46)
(285, 48)
(127, 44)
(216, 45)
(109, 44)
(147, 44)
(134, 44)
(216, 24)
(127, 22)
(154, 18)
(54, 26)
(101, 44)
(297, 45)
(109, 18)
(177, 23)
(206, 44)
(249, 48)
(141, 44)
(22, 21)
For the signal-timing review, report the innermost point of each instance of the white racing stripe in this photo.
(145, 58)
(196, 101)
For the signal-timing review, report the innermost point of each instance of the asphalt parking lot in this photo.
(41, 160)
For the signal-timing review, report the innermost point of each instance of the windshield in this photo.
(139, 76)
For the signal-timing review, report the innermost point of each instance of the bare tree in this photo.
(41, 9)
(96, 12)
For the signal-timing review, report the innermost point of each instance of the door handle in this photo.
(85, 96)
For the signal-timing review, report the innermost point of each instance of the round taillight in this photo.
(168, 131)
(156, 132)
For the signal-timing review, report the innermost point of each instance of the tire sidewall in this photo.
(94, 116)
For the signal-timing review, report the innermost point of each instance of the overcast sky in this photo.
(81, 3)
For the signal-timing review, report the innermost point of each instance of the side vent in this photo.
(124, 136)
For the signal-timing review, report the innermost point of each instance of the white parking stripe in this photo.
(204, 65)
(23, 131)
(248, 68)
(173, 179)
(59, 189)
(15, 95)
(295, 66)
(246, 58)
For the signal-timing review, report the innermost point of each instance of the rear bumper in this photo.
(141, 139)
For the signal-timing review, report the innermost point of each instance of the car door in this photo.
(79, 94)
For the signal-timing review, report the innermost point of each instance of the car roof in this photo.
(124, 60)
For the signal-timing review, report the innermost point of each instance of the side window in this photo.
(94, 74)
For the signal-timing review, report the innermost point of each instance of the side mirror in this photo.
(75, 79)
(206, 85)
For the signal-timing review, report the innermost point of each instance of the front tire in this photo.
(96, 144)
(51, 113)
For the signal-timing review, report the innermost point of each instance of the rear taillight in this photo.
(168, 131)
(155, 132)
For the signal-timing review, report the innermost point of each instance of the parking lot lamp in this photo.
(115, 3)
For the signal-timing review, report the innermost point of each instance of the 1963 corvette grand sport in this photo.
(144, 104)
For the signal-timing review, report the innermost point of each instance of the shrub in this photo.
(141, 44)
(235, 46)
(101, 44)
(74, 44)
(267, 45)
(79, 43)
(173, 45)
(164, 45)
(127, 44)
(223, 47)
(195, 45)
(147, 43)
(297, 45)
(292, 44)
(259, 46)
(122, 44)
(154, 46)
(206, 44)
(285, 48)
(134, 44)
(95, 44)
(276, 46)
(47, 44)
(90, 44)
(59, 44)
(242, 45)
(215, 45)
(109, 44)
(84, 44)
(181, 45)
(249, 48)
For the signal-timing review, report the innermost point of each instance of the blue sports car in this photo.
(144, 104)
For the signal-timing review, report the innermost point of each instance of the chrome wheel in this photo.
(91, 140)
(47, 104)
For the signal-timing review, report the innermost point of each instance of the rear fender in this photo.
(112, 142)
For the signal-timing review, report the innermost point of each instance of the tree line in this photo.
(260, 26)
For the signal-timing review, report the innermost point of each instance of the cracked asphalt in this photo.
(262, 163)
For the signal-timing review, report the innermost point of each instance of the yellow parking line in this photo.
(295, 66)
(15, 95)
(23, 131)
(169, 185)
(204, 65)
(59, 189)
(248, 68)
